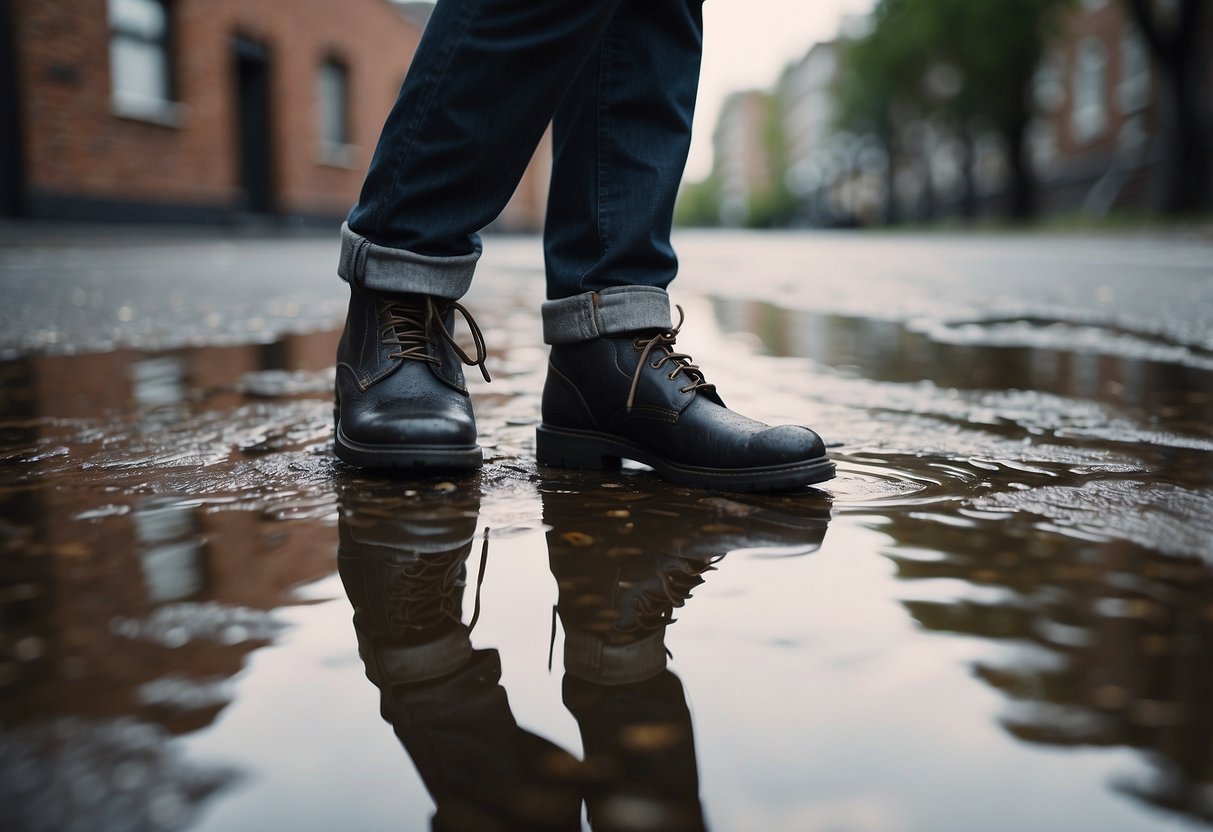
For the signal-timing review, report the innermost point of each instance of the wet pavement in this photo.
(998, 617)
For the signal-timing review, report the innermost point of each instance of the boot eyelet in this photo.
(670, 376)
(655, 365)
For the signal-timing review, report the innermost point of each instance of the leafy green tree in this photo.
(882, 75)
(1179, 36)
(991, 48)
(997, 47)
(699, 204)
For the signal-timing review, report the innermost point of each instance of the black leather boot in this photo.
(635, 397)
(404, 568)
(401, 401)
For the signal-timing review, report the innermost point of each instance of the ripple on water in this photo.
(1167, 518)
(1066, 336)
(887, 480)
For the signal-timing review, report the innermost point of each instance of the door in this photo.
(255, 150)
(12, 175)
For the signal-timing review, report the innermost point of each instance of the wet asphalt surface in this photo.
(999, 616)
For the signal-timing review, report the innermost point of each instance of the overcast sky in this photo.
(745, 45)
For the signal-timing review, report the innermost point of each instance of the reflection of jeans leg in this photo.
(621, 140)
(483, 770)
(485, 81)
(640, 752)
(403, 565)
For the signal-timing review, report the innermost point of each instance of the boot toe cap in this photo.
(413, 430)
(787, 444)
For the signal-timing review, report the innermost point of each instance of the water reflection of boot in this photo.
(623, 563)
(625, 560)
(404, 568)
(615, 604)
(404, 571)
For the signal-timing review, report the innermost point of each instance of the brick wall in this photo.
(76, 147)
(1108, 25)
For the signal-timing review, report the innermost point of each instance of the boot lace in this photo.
(414, 327)
(655, 606)
(430, 590)
(663, 345)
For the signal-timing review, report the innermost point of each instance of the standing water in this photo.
(999, 616)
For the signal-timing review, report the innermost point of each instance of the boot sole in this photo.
(589, 451)
(406, 457)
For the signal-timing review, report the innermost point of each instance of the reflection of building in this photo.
(199, 110)
(125, 616)
(86, 386)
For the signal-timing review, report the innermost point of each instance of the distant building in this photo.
(808, 95)
(812, 157)
(741, 158)
(1097, 95)
(199, 110)
(1094, 143)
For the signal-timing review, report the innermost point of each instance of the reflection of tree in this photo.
(1120, 643)
(892, 351)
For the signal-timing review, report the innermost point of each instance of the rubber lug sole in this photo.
(401, 457)
(590, 451)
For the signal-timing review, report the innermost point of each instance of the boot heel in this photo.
(557, 450)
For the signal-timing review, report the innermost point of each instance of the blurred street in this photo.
(86, 288)
(1007, 625)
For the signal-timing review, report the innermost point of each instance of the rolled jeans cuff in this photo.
(611, 311)
(382, 269)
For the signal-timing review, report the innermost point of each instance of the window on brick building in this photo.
(140, 66)
(1088, 113)
(332, 113)
(1133, 94)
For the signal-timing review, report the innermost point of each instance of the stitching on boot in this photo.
(653, 412)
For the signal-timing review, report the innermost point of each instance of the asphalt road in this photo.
(92, 288)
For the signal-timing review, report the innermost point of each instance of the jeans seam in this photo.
(427, 106)
(601, 181)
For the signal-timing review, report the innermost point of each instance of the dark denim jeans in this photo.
(616, 77)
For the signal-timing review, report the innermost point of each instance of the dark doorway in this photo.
(12, 179)
(254, 145)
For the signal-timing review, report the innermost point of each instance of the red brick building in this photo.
(199, 110)
(1098, 99)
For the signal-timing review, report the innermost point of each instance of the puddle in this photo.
(1000, 615)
